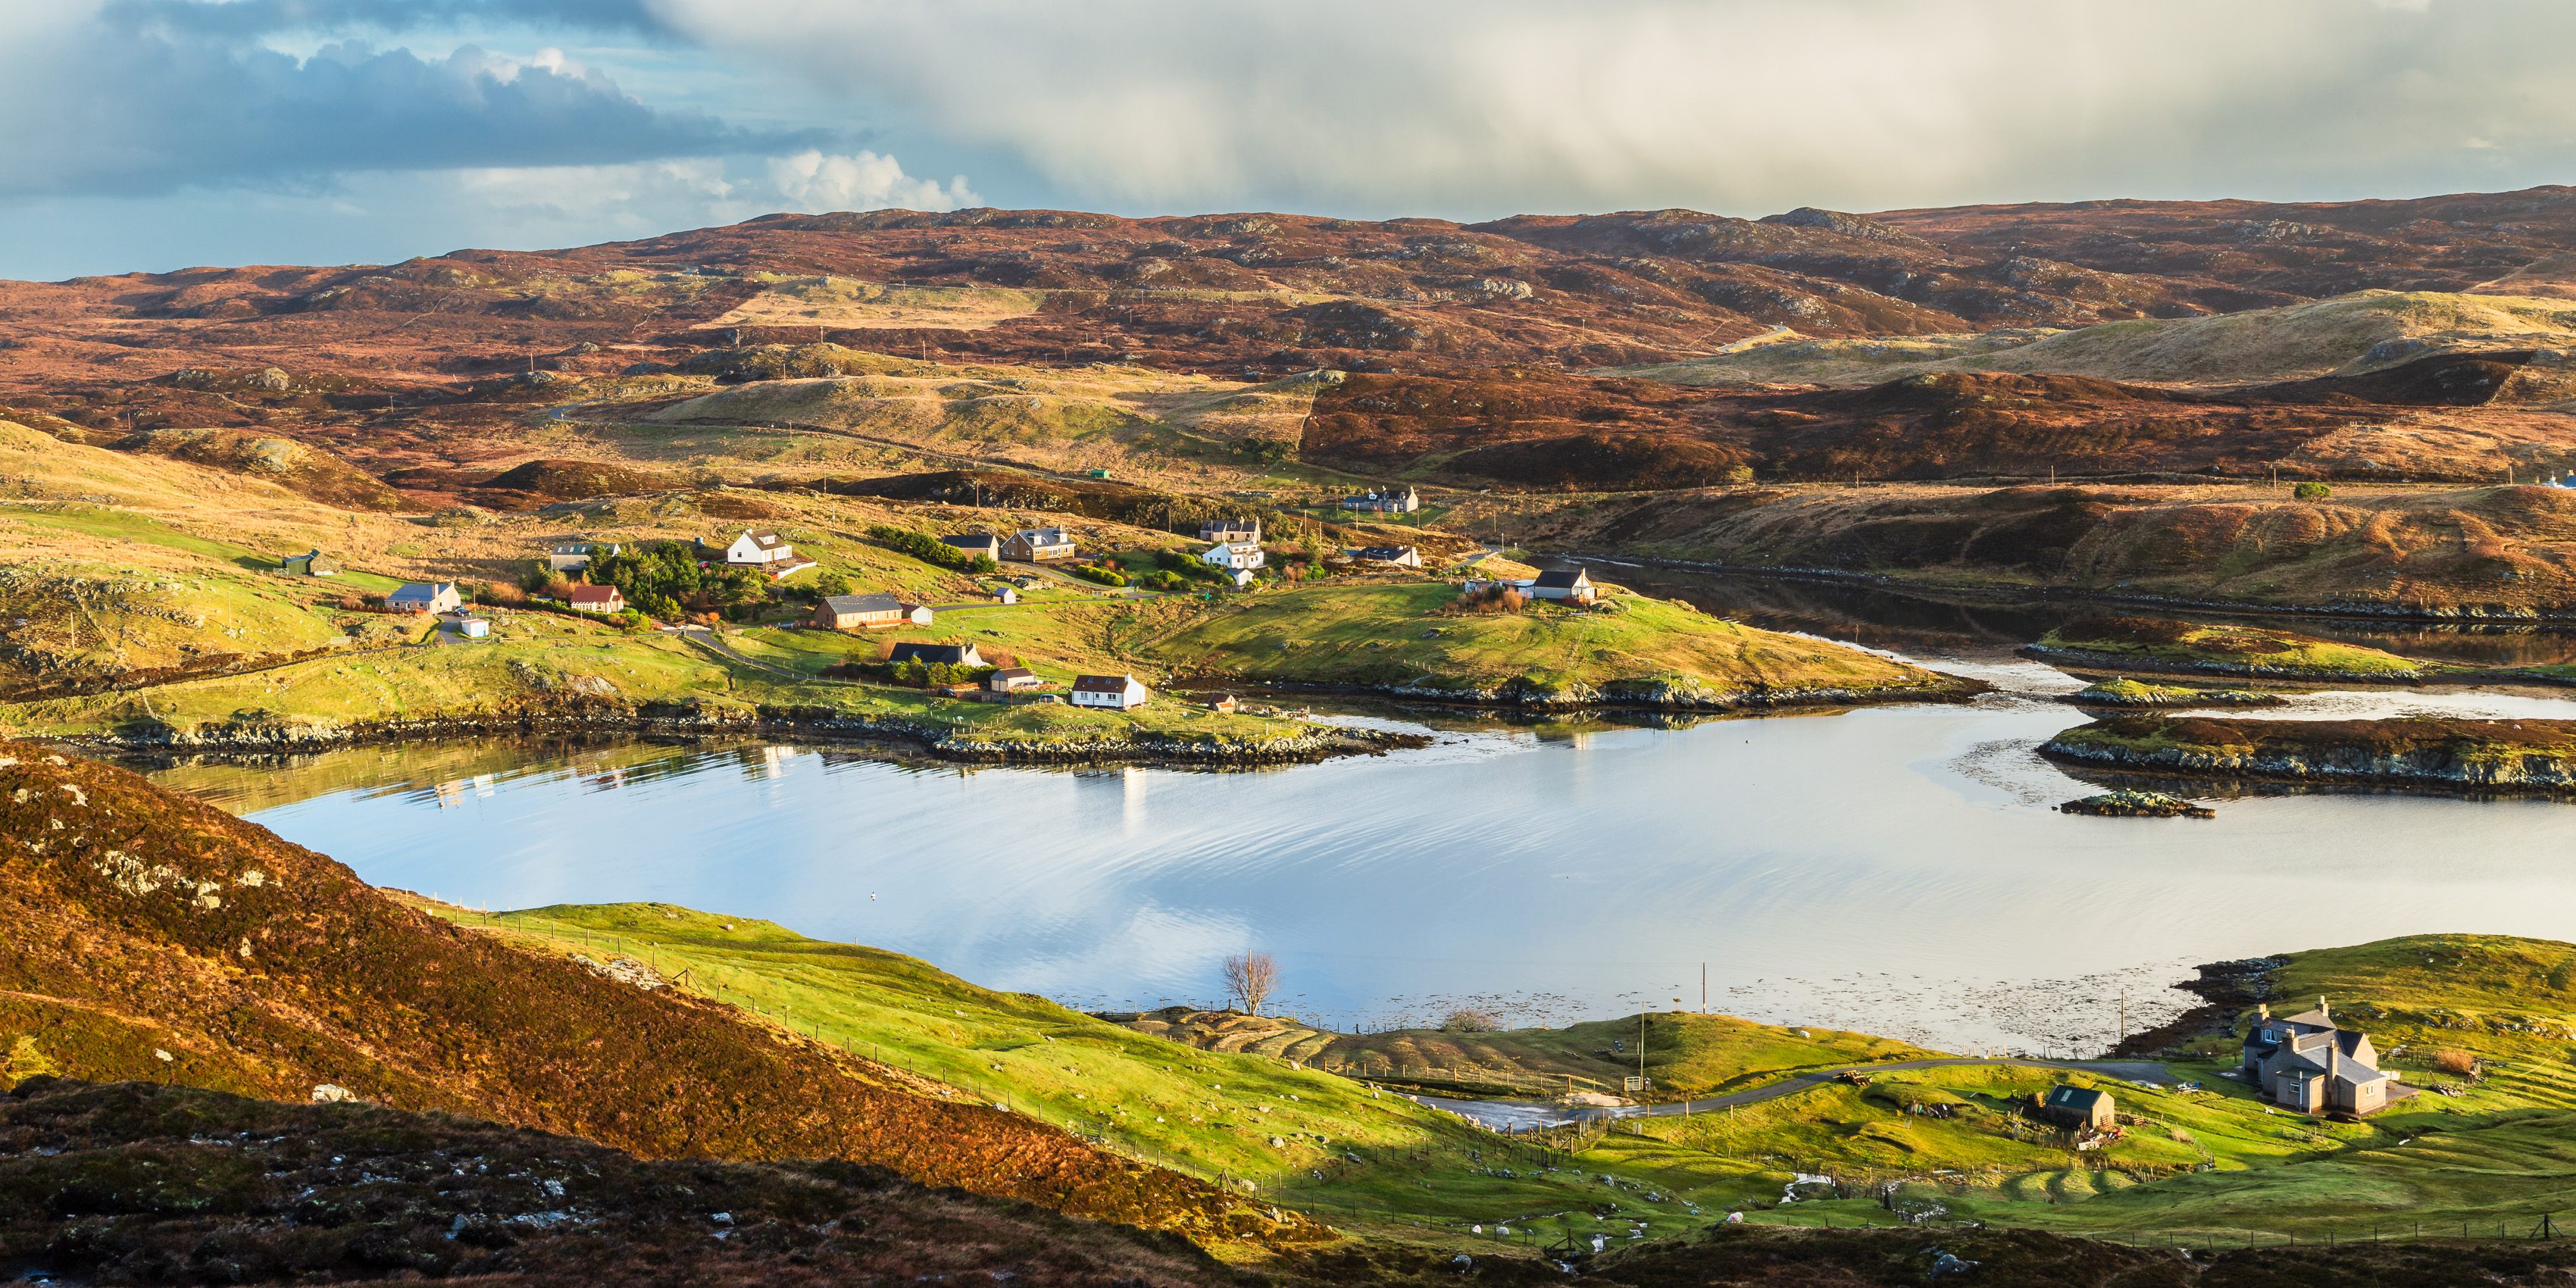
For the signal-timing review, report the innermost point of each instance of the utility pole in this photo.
(1703, 988)
(2124, 1012)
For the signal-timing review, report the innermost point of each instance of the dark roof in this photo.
(419, 590)
(1045, 536)
(880, 602)
(972, 540)
(2080, 1099)
(1562, 579)
(943, 654)
(1015, 673)
(1383, 553)
(764, 539)
(1102, 683)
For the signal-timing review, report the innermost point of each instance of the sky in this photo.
(150, 135)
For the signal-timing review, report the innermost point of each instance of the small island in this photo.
(2146, 644)
(2140, 694)
(2460, 755)
(2136, 804)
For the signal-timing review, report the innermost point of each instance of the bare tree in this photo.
(1252, 977)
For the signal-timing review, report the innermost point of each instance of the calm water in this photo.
(1897, 870)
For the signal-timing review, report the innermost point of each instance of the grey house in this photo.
(976, 543)
(936, 654)
(2083, 1108)
(2309, 1063)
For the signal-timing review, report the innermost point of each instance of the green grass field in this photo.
(2232, 648)
(1399, 633)
(1355, 1155)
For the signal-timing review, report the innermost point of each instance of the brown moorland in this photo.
(156, 938)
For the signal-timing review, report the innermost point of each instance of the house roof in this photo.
(2080, 1099)
(1102, 683)
(763, 538)
(1383, 553)
(945, 654)
(1044, 536)
(593, 594)
(879, 602)
(1015, 673)
(971, 540)
(1563, 579)
(421, 590)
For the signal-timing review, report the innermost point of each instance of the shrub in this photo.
(2452, 1060)
(1465, 1020)
(1737, 475)
(1101, 574)
(1492, 598)
(929, 549)
(2312, 491)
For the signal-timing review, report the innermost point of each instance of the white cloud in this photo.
(1452, 106)
(813, 181)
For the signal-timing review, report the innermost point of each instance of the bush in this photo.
(1101, 574)
(2312, 491)
(1465, 1020)
(929, 549)
(2454, 1061)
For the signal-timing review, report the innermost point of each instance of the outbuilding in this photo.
(2084, 1108)
(597, 599)
(1012, 679)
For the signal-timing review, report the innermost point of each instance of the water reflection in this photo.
(1898, 870)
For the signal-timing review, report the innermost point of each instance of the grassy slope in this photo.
(2229, 646)
(1346, 1152)
(156, 938)
(2294, 341)
(1394, 633)
(540, 664)
(1686, 1054)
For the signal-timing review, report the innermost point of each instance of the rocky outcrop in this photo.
(1670, 695)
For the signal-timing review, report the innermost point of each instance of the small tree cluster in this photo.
(2312, 491)
(929, 549)
(2454, 1061)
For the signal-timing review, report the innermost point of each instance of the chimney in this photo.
(2262, 1010)
(2322, 1012)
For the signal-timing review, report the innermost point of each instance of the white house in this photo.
(1399, 556)
(1241, 577)
(1570, 584)
(1116, 692)
(759, 546)
(472, 628)
(425, 597)
(1233, 556)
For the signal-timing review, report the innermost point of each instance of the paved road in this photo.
(1525, 1114)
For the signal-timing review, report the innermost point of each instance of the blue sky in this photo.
(158, 134)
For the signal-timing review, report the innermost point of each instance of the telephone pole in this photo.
(2124, 1012)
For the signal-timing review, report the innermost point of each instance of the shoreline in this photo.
(938, 742)
(2468, 771)
(1660, 699)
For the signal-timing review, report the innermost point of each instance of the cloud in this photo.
(1457, 106)
(98, 110)
(241, 19)
(813, 181)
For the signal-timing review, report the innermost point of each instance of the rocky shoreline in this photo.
(274, 736)
(2455, 755)
(1656, 696)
